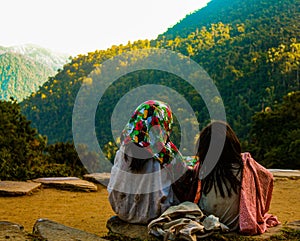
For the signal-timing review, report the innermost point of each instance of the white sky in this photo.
(81, 26)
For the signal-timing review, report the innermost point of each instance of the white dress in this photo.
(227, 208)
(139, 197)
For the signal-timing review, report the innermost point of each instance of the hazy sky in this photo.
(80, 26)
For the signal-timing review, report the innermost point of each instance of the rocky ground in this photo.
(60, 209)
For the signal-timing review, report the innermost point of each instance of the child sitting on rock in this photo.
(238, 190)
(140, 184)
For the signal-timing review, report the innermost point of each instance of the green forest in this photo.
(15, 67)
(250, 49)
(25, 68)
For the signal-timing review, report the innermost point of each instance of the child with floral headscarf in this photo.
(140, 184)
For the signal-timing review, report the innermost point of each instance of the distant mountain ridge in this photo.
(52, 59)
(24, 68)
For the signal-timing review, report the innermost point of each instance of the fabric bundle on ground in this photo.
(186, 222)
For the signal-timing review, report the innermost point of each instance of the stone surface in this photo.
(278, 230)
(124, 229)
(102, 178)
(294, 225)
(270, 232)
(53, 231)
(14, 188)
(121, 228)
(12, 231)
(45, 229)
(67, 183)
(281, 173)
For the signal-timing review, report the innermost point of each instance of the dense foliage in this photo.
(20, 145)
(249, 48)
(276, 134)
(24, 153)
(255, 13)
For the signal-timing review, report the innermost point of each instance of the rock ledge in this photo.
(16, 188)
(67, 183)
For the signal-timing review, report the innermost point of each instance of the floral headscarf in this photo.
(150, 127)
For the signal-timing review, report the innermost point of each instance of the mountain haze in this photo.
(26, 67)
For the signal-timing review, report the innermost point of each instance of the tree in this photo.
(64, 156)
(287, 57)
(276, 134)
(21, 146)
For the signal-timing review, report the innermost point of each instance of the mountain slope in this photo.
(238, 43)
(236, 12)
(25, 68)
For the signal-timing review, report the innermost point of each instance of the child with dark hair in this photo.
(238, 190)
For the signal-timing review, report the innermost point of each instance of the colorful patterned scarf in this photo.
(150, 127)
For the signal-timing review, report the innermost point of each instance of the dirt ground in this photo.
(90, 211)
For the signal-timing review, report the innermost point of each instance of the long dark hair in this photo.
(230, 162)
(136, 164)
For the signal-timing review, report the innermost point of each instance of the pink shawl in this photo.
(256, 194)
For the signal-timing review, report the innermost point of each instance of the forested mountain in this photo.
(23, 69)
(249, 48)
(255, 13)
